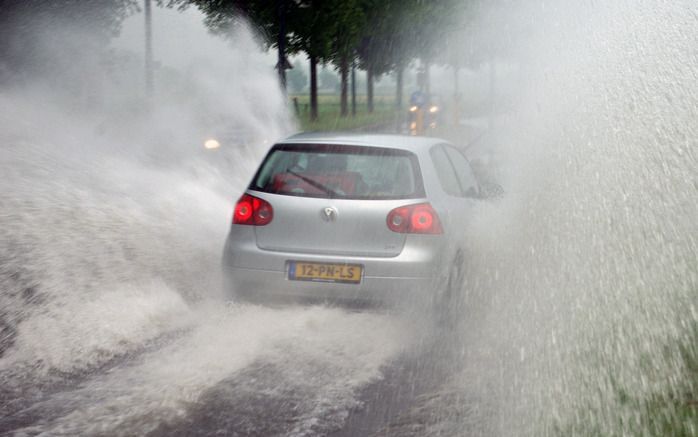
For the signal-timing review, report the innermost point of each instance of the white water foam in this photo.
(113, 214)
(322, 353)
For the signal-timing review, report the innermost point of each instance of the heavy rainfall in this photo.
(130, 129)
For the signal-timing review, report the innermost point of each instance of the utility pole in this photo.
(148, 49)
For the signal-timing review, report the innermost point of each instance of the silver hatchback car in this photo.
(359, 218)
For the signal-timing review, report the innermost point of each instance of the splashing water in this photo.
(582, 299)
(314, 357)
(111, 210)
(112, 222)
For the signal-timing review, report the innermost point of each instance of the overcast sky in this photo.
(178, 37)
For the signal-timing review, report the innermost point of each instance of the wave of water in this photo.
(313, 357)
(112, 224)
(582, 299)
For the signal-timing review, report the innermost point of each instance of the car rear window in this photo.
(339, 171)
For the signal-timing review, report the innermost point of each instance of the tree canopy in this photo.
(378, 36)
(376, 33)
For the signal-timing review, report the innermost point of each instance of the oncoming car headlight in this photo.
(211, 143)
(434, 109)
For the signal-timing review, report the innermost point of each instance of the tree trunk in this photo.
(369, 89)
(344, 76)
(313, 88)
(281, 43)
(399, 88)
(353, 90)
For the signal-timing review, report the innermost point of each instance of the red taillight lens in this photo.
(414, 219)
(243, 211)
(252, 211)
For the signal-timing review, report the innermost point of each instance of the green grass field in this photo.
(329, 118)
(675, 411)
(669, 410)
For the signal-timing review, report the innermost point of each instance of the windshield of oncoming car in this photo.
(339, 171)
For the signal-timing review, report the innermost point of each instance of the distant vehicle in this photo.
(225, 151)
(424, 113)
(230, 142)
(360, 218)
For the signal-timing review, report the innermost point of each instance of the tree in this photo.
(437, 24)
(383, 40)
(382, 35)
(348, 18)
(312, 33)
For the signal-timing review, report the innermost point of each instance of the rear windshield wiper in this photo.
(315, 184)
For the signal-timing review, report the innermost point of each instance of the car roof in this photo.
(411, 143)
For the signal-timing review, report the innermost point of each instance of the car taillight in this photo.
(252, 211)
(414, 219)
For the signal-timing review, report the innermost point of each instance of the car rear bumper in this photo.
(263, 285)
(256, 273)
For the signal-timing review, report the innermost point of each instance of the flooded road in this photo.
(236, 371)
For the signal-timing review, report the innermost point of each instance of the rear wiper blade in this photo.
(315, 184)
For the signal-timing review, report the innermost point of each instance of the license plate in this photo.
(322, 272)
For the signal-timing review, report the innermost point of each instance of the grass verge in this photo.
(671, 410)
(329, 118)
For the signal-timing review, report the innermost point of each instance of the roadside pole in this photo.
(148, 49)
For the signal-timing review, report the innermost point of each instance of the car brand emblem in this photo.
(329, 214)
